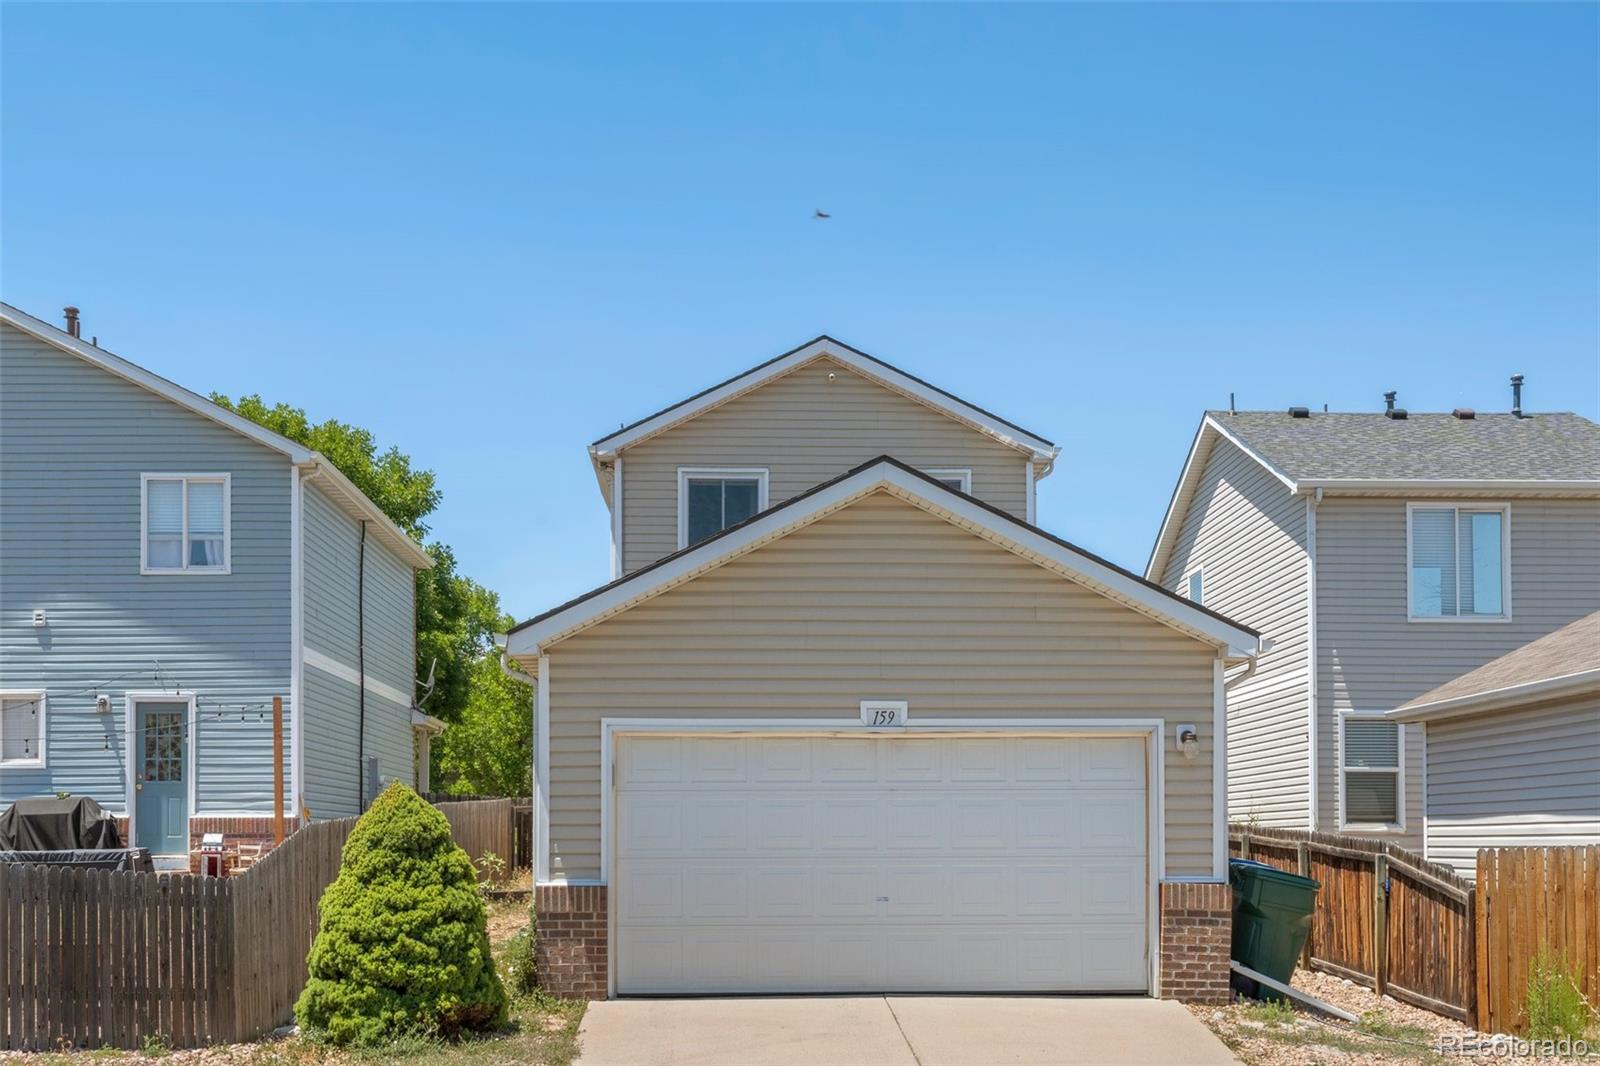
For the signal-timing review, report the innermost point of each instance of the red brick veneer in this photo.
(570, 950)
(1196, 940)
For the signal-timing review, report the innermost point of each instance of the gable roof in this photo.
(1563, 663)
(884, 474)
(339, 488)
(1534, 455)
(1042, 451)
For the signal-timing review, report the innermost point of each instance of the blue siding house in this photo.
(167, 568)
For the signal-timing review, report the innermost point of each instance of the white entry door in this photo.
(872, 864)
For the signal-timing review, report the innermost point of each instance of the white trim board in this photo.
(40, 700)
(183, 569)
(1475, 507)
(1152, 730)
(1399, 826)
(1548, 688)
(761, 475)
(884, 474)
(333, 667)
(1041, 450)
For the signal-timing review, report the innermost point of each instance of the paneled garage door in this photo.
(862, 864)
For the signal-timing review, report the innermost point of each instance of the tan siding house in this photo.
(1431, 544)
(846, 721)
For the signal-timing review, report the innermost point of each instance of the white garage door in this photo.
(909, 864)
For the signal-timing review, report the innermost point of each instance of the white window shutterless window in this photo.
(1197, 587)
(1371, 774)
(186, 524)
(1459, 562)
(710, 499)
(22, 730)
(959, 479)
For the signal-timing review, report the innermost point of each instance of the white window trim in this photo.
(1197, 572)
(38, 761)
(130, 732)
(760, 473)
(1398, 826)
(959, 473)
(1505, 559)
(226, 481)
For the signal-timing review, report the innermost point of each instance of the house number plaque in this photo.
(883, 713)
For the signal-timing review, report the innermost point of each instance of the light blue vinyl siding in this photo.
(74, 440)
(332, 551)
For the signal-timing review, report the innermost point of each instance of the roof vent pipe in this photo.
(72, 320)
(1516, 395)
(1299, 412)
(1388, 402)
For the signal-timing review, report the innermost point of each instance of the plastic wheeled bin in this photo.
(1271, 920)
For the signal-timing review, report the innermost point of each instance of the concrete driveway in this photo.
(895, 1031)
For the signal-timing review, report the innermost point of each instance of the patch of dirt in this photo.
(506, 919)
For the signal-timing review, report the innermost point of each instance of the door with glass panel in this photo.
(160, 784)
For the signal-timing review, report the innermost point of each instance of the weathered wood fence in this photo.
(1530, 898)
(1387, 918)
(90, 958)
(521, 857)
(483, 827)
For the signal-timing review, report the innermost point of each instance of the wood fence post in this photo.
(1244, 845)
(1380, 923)
(277, 770)
(1302, 852)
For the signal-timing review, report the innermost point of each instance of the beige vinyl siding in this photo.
(1520, 777)
(806, 430)
(1248, 534)
(1371, 658)
(879, 600)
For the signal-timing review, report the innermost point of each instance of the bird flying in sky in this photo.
(820, 213)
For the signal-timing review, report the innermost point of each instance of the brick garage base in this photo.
(570, 951)
(1196, 939)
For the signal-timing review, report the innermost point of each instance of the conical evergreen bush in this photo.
(402, 946)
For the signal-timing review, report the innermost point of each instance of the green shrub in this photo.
(1554, 1003)
(403, 946)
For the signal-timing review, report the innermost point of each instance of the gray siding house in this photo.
(167, 568)
(1381, 555)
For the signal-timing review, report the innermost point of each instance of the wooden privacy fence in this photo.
(521, 857)
(90, 958)
(482, 827)
(1530, 898)
(1385, 917)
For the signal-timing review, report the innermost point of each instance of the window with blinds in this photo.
(1458, 562)
(1371, 772)
(186, 524)
(22, 729)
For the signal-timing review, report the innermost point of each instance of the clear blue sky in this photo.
(493, 233)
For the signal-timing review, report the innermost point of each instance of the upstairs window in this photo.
(954, 478)
(186, 524)
(1197, 587)
(22, 729)
(1458, 562)
(710, 499)
(1371, 779)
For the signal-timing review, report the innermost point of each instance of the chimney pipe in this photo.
(1388, 402)
(72, 320)
(1516, 395)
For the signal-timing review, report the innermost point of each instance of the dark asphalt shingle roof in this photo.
(1571, 649)
(1326, 446)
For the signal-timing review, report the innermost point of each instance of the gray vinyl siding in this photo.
(1520, 777)
(1247, 533)
(806, 429)
(333, 706)
(878, 600)
(1371, 658)
(74, 440)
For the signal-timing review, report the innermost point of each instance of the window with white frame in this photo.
(186, 524)
(1197, 587)
(22, 732)
(1458, 561)
(956, 478)
(1372, 782)
(710, 499)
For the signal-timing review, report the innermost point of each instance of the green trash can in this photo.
(1271, 920)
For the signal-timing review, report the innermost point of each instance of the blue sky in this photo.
(492, 233)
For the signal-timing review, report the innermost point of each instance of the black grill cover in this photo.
(49, 824)
(135, 859)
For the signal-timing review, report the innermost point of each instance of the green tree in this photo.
(489, 750)
(456, 617)
(402, 945)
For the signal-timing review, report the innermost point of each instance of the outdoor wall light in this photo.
(1188, 738)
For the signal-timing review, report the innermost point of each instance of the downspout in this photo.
(361, 670)
(1313, 661)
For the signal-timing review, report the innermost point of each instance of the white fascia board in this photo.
(348, 496)
(1024, 540)
(1549, 688)
(354, 502)
(1040, 451)
(1531, 486)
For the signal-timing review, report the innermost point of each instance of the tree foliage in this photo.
(489, 750)
(456, 617)
(402, 945)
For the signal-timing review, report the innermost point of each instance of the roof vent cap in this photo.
(1466, 414)
(1299, 412)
